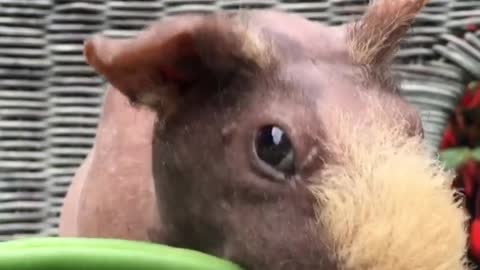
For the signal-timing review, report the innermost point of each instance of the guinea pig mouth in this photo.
(385, 203)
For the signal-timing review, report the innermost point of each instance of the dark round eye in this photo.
(273, 147)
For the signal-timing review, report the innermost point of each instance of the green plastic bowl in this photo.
(54, 253)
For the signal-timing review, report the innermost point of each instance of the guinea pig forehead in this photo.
(321, 82)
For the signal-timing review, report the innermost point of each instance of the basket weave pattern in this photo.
(50, 99)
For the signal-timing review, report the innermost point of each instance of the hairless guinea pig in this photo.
(269, 140)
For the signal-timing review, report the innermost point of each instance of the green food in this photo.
(52, 253)
(455, 157)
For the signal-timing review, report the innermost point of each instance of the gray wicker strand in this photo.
(74, 96)
(24, 68)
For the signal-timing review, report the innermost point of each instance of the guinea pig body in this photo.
(280, 143)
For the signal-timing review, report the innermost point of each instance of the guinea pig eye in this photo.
(273, 146)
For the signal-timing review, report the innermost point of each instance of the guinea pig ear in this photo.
(157, 67)
(375, 38)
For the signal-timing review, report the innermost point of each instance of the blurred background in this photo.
(50, 99)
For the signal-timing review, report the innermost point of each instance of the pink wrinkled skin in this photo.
(121, 158)
(119, 161)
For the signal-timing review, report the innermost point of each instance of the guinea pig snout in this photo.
(385, 203)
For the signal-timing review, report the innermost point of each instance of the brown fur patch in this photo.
(384, 203)
(229, 42)
(255, 47)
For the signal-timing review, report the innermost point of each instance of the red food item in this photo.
(475, 239)
(471, 99)
(470, 176)
(449, 139)
(471, 27)
(463, 131)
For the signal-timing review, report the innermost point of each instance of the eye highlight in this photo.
(274, 148)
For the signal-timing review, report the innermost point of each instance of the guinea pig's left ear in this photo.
(160, 65)
(375, 38)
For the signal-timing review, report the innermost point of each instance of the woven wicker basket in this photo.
(50, 99)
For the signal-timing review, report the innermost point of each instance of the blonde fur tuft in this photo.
(255, 48)
(384, 202)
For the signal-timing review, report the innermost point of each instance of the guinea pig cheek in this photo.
(384, 203)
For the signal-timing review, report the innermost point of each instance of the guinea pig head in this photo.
(281, 143)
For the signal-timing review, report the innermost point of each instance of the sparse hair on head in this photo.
(238, 44)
